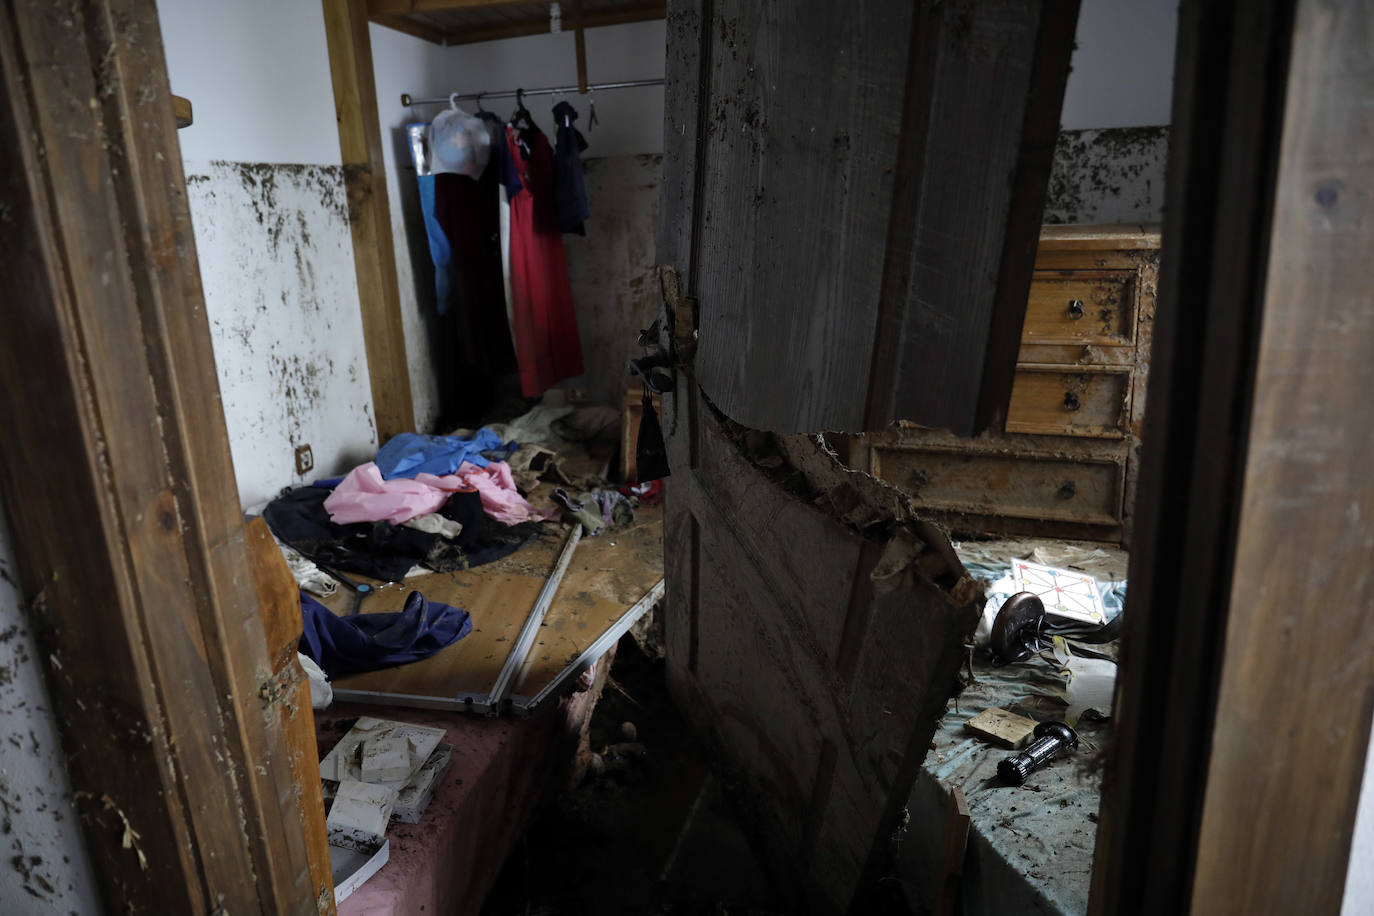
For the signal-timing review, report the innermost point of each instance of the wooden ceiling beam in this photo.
(591, 19)
(378, 8)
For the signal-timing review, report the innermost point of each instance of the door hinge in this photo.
(680, 320)
(282, 684)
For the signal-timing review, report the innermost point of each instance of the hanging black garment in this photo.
(651, 455)
(569, 190)
(474, 340)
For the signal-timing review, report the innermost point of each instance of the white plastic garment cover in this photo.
(1089, 682)
(459, 143)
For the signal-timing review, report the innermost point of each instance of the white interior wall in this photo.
(270, 216)
(50, 871)
(1359, 875)
(256, 72)
(1123, 65)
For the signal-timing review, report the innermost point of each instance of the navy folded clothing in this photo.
(367, 642)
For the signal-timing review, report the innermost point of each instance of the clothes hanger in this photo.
(482, 113)
(559, 99)
(521, 114)
(591, 106)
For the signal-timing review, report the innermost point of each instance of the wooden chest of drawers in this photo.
(1065, 464)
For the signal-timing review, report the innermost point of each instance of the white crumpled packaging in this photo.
(1089, 682)
(321, 694)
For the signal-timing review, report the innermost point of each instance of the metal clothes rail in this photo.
(408, 99)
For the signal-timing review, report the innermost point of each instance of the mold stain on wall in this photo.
(1113, 175)
(612, 269)
(276, 263)
(40, 834)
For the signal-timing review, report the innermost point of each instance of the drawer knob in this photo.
(1066, 490)
(1072, 401)
(1076, 309)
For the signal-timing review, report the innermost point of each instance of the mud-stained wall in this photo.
(46, 869)
(612, 269)
(276, 262)
(1108, 176)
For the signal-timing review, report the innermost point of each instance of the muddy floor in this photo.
(650, 833)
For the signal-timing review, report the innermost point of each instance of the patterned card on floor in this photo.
(1064, 592)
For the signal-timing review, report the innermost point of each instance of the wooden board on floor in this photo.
(498, 596)
(607, 576)
(1002, 727)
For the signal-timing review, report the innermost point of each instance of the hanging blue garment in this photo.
(367, 642)
(440, 251)
(408, 454)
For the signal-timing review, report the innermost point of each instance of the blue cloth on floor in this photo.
(367, 642)
(409, 454)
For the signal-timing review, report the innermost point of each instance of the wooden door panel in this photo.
(821, 684)
(802, 123)
(866, 186)
(850, 212)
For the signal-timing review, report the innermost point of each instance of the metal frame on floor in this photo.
(527, 706)
(493, 702)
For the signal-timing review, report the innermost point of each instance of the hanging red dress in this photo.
(547, 345)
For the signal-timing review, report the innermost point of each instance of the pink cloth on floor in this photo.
(500, 499)
(363, 496)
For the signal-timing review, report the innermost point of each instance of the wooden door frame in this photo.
(1244, 703)
(118, 484)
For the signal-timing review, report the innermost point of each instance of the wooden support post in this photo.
(581, 41)
(118, 483)
(369, 214)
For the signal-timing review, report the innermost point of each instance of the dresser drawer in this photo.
(1081, 307)
(999, 484)
(1052, 401)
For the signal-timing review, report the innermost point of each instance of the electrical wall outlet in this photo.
(305, 460)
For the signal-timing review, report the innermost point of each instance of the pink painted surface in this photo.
(501, 769)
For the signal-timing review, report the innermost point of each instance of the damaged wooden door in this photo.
(852, 197)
